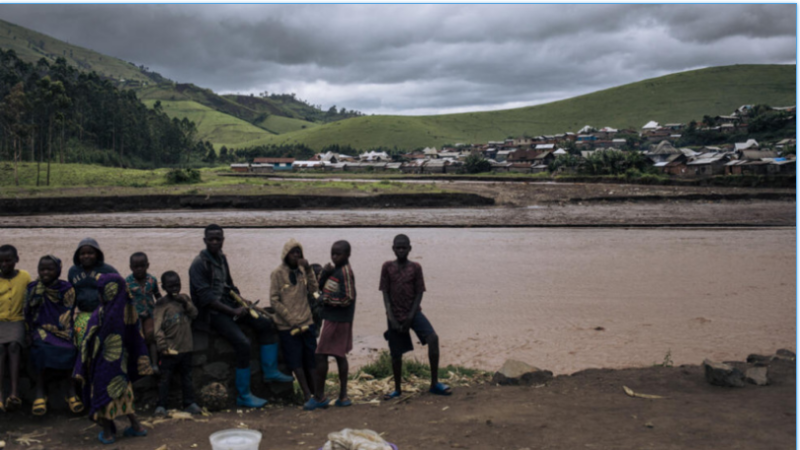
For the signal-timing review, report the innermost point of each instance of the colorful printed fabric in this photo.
(117, 407)
(340, 287)
(144, 295)
(80, 321)
(113, 353)
(49, 313)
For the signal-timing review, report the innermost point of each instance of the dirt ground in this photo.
(585, 410)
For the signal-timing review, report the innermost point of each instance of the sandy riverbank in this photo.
(587, 409)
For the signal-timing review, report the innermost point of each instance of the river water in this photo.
(560, 299)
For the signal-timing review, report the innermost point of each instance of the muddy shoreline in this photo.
(104, 204)
(587, 409)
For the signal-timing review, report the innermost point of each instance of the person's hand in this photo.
(184, 300)
(239, 312)
(395, 325)
(328, 268)
(303, 262)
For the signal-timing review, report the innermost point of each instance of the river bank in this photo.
(587, 409)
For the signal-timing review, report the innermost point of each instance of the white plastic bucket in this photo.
(235, 439)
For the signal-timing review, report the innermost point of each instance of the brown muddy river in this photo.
(560, 299)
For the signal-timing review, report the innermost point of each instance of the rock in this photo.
(759, 360)
(214, 397)
(516, 372)
(785, 354)
(217, 370)
(721, 374)
(757, 375)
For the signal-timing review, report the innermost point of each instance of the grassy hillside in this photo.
(31, 46)
(221, 129)
(679, 97)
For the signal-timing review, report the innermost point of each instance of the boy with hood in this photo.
(88, 264)
(210, 286)
(290, 284)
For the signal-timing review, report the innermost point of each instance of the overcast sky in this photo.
(421, 59)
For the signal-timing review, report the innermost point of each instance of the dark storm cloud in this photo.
(421, 58)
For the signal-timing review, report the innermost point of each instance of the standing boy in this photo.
(402, 285)
(290, 284)
(173, 317)
(143, 290)
(338, 308)
(13, 285)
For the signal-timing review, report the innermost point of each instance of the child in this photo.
(173, 315)
(402, 285)
(290, 285)
(113, 356)
(12, 327)
(338, 308)
(49, 308)
(88, 264)
(143, 289)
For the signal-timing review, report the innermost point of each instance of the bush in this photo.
(183, 176)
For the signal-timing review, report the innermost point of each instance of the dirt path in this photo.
(585, 410)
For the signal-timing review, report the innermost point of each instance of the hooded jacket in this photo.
(290, 301)
(85, 281)
(210, 281)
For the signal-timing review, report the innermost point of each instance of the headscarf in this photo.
(49, 309)
(113, 353)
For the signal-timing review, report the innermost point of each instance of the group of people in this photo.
(109, 331)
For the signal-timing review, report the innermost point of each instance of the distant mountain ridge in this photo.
(238, 121)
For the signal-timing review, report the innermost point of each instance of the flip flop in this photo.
(441, 389)
(130, 432)
(39, 407)
(75, 405)
(313, 404)
(106, 441)
(391, 395)
(343, 404)
(13, 402)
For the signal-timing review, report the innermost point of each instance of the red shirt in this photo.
(403, 283)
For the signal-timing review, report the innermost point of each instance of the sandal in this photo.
(391, 395)
(75, 405)
(343, 403)
(13, 402)
(39, 407)
(106, 441)
(441, 389)
(313, 404)
(130, 432)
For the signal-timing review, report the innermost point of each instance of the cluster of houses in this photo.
(535, 154)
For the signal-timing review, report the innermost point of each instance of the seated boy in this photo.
(290, 284)
(143, 289)
(173, 317)
(402, 285)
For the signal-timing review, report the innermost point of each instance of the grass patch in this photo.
(382, 368)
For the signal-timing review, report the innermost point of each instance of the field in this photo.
(68, 180)
(679, 97)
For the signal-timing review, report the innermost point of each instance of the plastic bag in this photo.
(349, 439)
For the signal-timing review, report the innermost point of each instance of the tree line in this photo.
(54, 112)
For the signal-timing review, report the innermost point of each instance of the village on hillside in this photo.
(655, 148)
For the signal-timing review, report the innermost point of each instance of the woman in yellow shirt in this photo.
(13, 285)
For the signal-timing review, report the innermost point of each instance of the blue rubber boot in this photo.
(269, 365)
(245, 397)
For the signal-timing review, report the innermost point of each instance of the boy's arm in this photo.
(156, 293)
(191, 310)
(388, 304)
(413, 312)
(311, 280)
(275, 299)
(161, 338)
(198, 280)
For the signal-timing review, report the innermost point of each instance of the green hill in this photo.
(31, 46)
(679, 97)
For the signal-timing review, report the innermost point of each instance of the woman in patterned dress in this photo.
(113, 356)
(49, 306)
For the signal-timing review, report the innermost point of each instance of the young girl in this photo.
(89, 264)
(113, 355)
(12, 326)
(49, 306)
